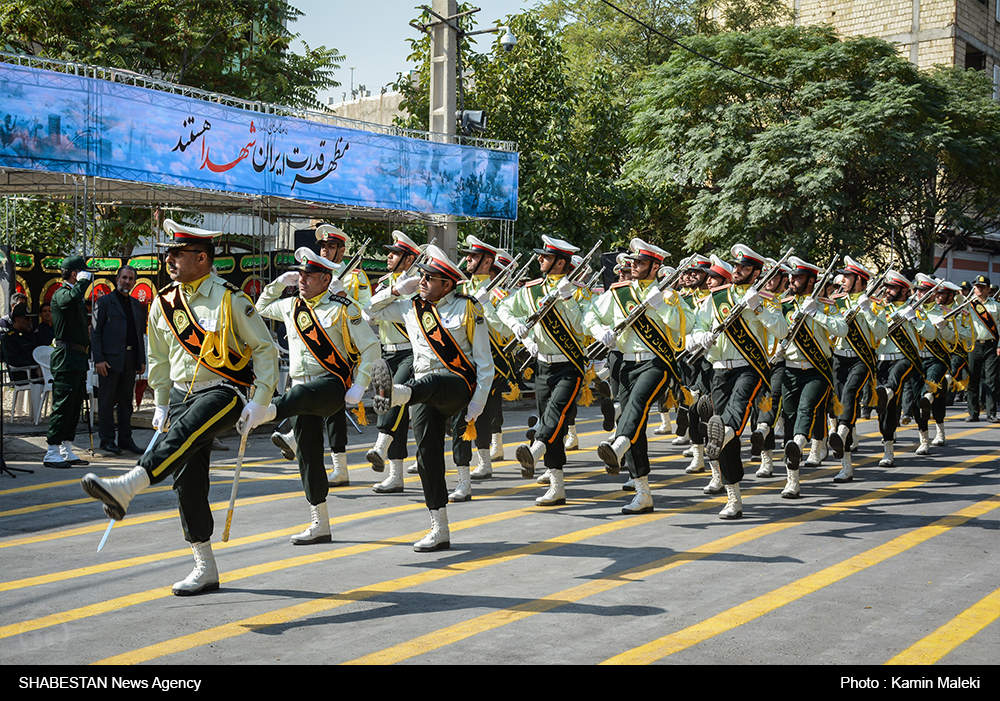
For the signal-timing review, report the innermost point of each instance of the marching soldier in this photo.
(808, 383)
(855, 362)
(556, 341)
(452, 366)
(203, 333)
(397, 352)
(984, 365)
(70, 361)
(959, 330)
(740, 364)
(648, 361)
(331, 350)
(898, 356)
(502, 261)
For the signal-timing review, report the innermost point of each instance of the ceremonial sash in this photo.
(559, 332)
(745, 340)
(649, 331)
(908, 349)
(385, 283)
(316, 340)
(182, 323)
(857, 339)
(807, 344)
(984, 316)
(443, 344)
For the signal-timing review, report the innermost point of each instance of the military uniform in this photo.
(983, 391)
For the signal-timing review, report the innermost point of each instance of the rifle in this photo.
(736, 311)
(354, 261)
(549, 301)
(597, 349)
(515, 280)
(420, 259)
(799, 318)
(960, 308)
(504, 274)
(874, 287)
(896, 318)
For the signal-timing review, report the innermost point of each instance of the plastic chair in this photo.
(43, 356)
(27, 390)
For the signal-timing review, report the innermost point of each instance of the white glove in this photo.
(655, 299)
(160, 417)
(483, 296)
(473, 412)
(565, 288)
(702, 339)
(253, 415)
(865, 303)
(751, 299)
(531, 347)
(810, 307)
(353, 395)
(289, 278)
(520, 330)
(690, 345)
(336, 286)
(84, 275)
(407, 285)
(607, 336)
(909, 313)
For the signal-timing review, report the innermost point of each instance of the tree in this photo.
(819, 143)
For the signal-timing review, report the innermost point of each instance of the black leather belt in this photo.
(72, 346)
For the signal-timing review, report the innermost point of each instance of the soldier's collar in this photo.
(315, 300)
(189, 288)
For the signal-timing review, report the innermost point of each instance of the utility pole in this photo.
(444, 103)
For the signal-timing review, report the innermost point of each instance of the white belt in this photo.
(798, 364)
(926, 354)
(550, 359)
(638, 357)
(199, 385)
(393, 347)
(845, 354)
(305, 378)
(891, 356)
(730, 364)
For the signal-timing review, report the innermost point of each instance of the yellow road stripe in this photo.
(332, 601)
(496, 619)
(952, 634)
(755, 608)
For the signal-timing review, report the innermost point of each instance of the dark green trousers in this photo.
(185, 451)
(396, 421)
(804, 394)
(984, 379)
(461, 450)
(852, 376)
(69, 387)
(435, 399)
(893, 375)
(641, 383)
(733, 395)
(557, 386)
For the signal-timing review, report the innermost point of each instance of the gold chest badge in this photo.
(181, 320)
(428, 321)
(303, 320)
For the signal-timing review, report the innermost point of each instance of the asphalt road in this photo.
(900, 566)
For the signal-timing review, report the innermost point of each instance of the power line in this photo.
(690, 50)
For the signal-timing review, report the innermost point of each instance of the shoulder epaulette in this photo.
(536, 281)
(616, 285)
(232, 287)
(340, 299)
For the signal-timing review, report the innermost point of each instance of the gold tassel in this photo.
(528, 372)
(688, 397)
(765, 403)
(360, 413)
(934, 387)
(586, 394)
(873, 401)
(470, 432)
(838, 408)
(961, 385)
(670, 401)
(514, 394)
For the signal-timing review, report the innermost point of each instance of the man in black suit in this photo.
(119, 355)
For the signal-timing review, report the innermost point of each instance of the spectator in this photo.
(18, 343)
(43, 332)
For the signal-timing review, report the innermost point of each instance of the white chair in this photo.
(43, 356)
(26, 390)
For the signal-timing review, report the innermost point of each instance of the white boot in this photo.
(714, 485)
(413, 469)
(379, 453)
(556, 493)
(66, 449)
(286, 443)
(393, 484)
(642, 502)
(54, 458)
(793, 451)
(463, 492)
(484, 468)
(664, 428)
(888, 456)
(691, 449)
(734, 503)
(717, 435)
(439, 537)
(572, 441)
(697, 464)
(939, 438)
(545, 477)
(529, 456)
(318, 530)
(791, 490)
(758, 437)
(766, 468)
(338, 476)
(117, 492)
(925, 444)
(385, 394)
(629, 485)
(681, 439)
(496, 446)
(846, 473)
(613, 453)
(205, 575)
(817, 451)
(838, 440)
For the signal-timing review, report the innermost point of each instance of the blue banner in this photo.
(71, 124)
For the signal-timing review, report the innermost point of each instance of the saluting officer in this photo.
(70, 361)
(556, 341)
(203, 333)
(331, 350)
(397, 352)
(649, 348)
(452, 367)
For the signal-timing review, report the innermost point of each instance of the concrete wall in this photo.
(377, 109)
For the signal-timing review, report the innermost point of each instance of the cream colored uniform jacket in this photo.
(870, 322)
(604, 310)
(455, 317)
(388, 334)
(169, 362)
(356, 285)
(333, 316)
(983, 333)
(922, 327)
(770, 321)
(517, 307)
(827, 322)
